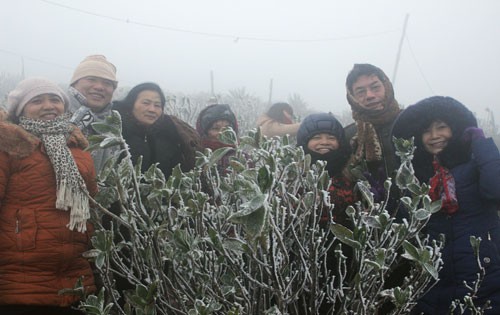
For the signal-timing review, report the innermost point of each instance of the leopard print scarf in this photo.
(71, 190)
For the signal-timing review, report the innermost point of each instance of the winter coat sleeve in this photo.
(4, 174)
(274, 128)
(190, 143)
(487, 158)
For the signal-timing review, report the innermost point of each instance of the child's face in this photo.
(323, 143)
(435, 138)
(216, 128)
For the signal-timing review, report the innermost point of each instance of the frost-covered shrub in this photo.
(249, 241)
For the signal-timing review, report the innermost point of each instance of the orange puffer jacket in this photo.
(39, 255)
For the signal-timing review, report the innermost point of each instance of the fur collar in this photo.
(18, 142)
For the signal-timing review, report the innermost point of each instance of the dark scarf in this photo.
(71, 190)
(443, 187)
(336, 160)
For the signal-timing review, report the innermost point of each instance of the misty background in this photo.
(450, 47)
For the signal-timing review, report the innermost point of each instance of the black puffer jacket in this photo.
(169, 141)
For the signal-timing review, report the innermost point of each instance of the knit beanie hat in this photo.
(319, 123)
(95, 66)
(27, 89)
(211, 114)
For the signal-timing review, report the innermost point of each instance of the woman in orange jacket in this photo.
(46, 178)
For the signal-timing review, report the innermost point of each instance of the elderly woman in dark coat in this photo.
(158, 137)
(462, 168)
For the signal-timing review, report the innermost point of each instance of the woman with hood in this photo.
(462, 168)
(322, 136)
(46, 178)
(211, 122)
(154, 135)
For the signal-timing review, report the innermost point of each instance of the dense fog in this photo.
(305, 48)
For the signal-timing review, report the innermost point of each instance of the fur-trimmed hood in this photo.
(18, 142)
(416, 118)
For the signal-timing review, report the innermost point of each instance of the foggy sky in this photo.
(307, 47)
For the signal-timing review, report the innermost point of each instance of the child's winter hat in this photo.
(319, 123)
(27, 89)
(95, 66)
(211, 114)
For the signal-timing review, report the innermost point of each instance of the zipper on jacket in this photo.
(17, 222)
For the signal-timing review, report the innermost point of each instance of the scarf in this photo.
(341, 195)
(336, 160)
(366, 141)
(443, 187)
(71, 190)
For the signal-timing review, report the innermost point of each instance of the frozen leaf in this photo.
(344, 235)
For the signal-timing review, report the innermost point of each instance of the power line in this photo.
(235, 38)
(418, 65)
(35, 59)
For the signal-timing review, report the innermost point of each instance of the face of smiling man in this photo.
(369, 92)
(97, 91)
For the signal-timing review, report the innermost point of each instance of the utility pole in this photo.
(212, 82)
(270, 91)
(22, 68)
(399, 49)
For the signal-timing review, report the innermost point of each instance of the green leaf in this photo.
(373, 264)
(411, 251)
(404, 176)
(264, 178)
(373, 222)
(249, 207)
(105, 128)
(228, 136)
(253, 222)
(344, 235)
(100, 260)
(436, 206)
(400, 296)
(431, 270)
(109, 142)
(235, 245)
(366, 194)
(218, 154)
(422, 214)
